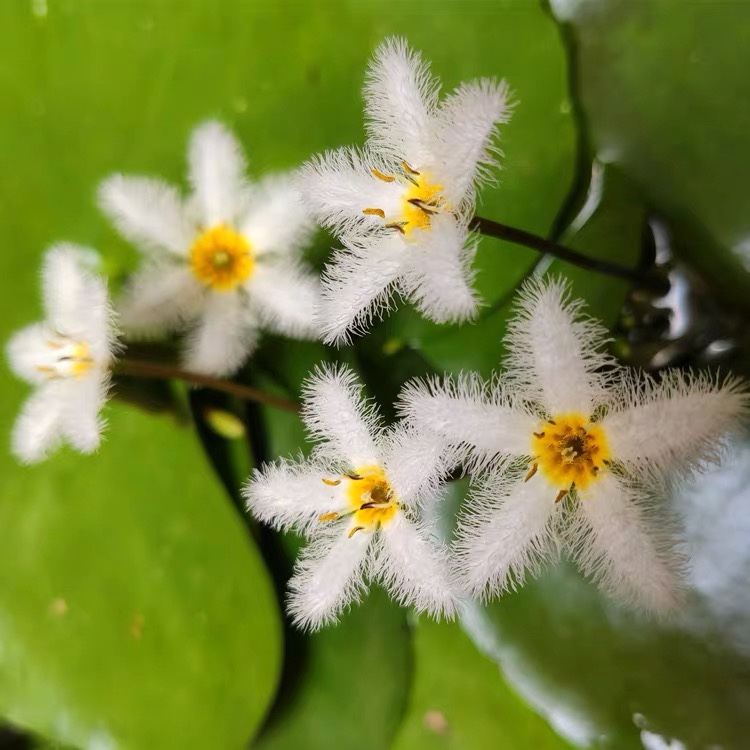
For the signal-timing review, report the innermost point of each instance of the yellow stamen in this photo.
(221, 258)
(328, 517)
(386, 178)
(420, 202)
(408, 169)
(354, 531)
(374, 212)
(570, 450)
(332, 482)
(532, 471)
(371, 497)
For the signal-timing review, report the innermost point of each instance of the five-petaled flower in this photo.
(578, 452)
(67, 357)
(356, 499)
(401, 206)
(223, 263)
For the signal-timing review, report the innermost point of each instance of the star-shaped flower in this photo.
(580, 452)
(223, 263)
(355, 498)
(401, 206)
(67, 357)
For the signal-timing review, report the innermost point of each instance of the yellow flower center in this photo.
(68, 359)
(372, 502)
(221, 258)
(420, 201)
(569, 450)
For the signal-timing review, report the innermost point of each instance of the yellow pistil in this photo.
(569, 450)
(370, 497)
(420, 201)
(221, 258)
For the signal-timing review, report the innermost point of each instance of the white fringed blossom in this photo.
(576, 453)
(67, 357)
(401, 206)
(223, 263)
(355, 499)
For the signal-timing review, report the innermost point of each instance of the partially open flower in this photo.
(401, 206)
(355, 498)
(67, 357)
(224, 264)
(579, 452)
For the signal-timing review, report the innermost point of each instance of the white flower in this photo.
(401, 206)
(223, 263)
(580, 452)
(67, 357)
(355, 498)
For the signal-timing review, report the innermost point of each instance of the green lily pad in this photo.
(134, 611)
(665, 95)
(461, 701)
(350, 683)
(617, 679)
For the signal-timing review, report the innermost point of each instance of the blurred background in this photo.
(140, 607)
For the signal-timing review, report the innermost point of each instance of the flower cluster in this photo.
(566, 449)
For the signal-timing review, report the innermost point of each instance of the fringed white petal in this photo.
(217, 174)
(160, 297)
(75, 298)
(400, 98)
(337, 186)
(554, 351)
(439, 278)
(290, 494)
(464, 133)
(337, 415)
(27, 350)
(102, 329)
(223, 338)
(680, 422)
(415, 568)
(358, 286)
(328, 576)
(36, 432)
(276, 220)
(479, 418)
(416, 461)
(285, 296)
(147, 212)
(80, 421)
(509, 532)
(621, 542)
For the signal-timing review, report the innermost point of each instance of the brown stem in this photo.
(520, 237)
(145, 369)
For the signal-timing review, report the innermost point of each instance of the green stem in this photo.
(492, 228)
(145, 369)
